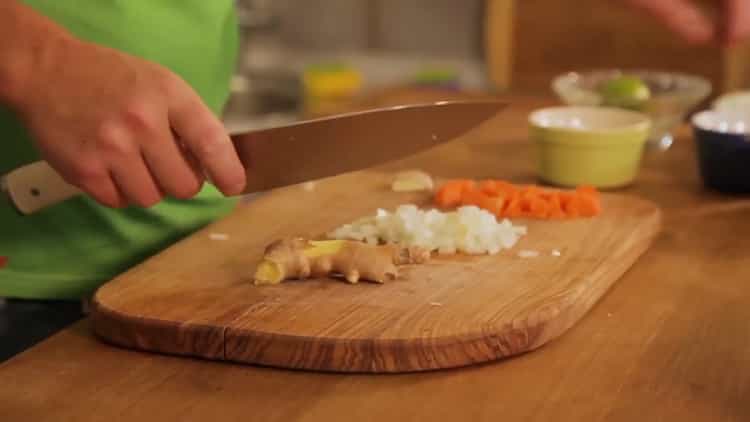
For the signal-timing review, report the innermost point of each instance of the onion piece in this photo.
(469, 230)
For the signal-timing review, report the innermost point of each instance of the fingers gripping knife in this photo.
(299, 152)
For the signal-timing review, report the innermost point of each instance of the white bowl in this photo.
(733, 101)
(732, 122)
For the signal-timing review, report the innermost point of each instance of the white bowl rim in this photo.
(699, 120)
(642, 121)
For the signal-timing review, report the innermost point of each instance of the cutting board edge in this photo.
(652, 228)
(149, 334)
(156, 335)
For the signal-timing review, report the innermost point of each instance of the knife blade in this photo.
(302, 151)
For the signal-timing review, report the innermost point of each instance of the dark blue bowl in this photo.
(723, 144)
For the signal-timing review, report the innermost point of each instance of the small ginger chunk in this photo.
(296, 258)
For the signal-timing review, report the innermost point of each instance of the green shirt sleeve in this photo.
(67, 251)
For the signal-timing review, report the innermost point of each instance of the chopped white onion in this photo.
(469, 230)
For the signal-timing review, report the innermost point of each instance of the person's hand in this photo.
(686, 19)
(124, 130)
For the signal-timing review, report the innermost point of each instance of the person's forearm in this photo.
(27, 41)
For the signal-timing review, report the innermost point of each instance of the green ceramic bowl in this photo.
(598, 146)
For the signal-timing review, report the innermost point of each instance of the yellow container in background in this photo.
(329, 87)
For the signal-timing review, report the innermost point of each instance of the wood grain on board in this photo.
(197, 297)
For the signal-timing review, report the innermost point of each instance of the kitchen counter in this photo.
(668, 342)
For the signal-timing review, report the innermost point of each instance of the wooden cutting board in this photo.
(197, 297)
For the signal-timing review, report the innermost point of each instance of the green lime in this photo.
(625, 92)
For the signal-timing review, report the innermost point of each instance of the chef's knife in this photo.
(300, 152)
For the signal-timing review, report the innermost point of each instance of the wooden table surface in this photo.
(671, 340)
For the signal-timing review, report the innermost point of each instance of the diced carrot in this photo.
(506, 187)
(572, 207)
(565, 197)
(530, 201)
(490, 188)
(513, 207)
(473, 197)
(546, 195)
(534, 206)
(555, 208)
(531, 191)
(449, 195)
(589, 201)
(539, 208)
(467, 185)
(526, 207)
(493, 204)
(505, 199)
(588, 205)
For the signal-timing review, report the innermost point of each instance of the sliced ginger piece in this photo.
(296, 258)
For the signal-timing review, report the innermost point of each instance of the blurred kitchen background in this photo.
(301, 58)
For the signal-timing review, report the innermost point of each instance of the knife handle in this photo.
(36, 186)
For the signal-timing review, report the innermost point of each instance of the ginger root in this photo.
(295, 258)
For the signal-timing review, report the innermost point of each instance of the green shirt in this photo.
(67, 251)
